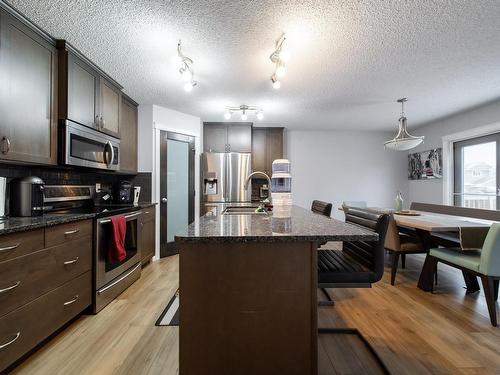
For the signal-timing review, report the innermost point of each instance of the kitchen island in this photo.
(248, 290)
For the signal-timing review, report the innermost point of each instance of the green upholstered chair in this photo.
(478, 255)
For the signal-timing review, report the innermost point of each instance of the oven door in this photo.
(86, 147)
(108, 270)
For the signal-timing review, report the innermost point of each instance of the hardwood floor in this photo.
(412, 331)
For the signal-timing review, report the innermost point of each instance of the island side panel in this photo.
(248, 308)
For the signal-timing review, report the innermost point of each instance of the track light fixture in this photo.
(185, 66)
(279, 58)
(245, 110)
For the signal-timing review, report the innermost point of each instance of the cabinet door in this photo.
(110, 108)
(83, 86)
(148, 239)
(28, 89)
(274, 144)
(259, 150)
(239, 137)
(214, 137)
(128, 136)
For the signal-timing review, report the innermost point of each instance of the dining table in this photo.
(432, 227)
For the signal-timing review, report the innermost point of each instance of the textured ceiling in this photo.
(350, 59)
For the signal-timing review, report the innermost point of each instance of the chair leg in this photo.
(403, 261)
(329, 301)
(436, 274)
(394, 269)
(495, 287)
(470, 282)
(489, 292)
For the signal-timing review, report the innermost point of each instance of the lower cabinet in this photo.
(24, 328)
(46, 281)
(148, 234)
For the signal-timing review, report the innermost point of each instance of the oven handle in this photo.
(120, 279)
(105, 221)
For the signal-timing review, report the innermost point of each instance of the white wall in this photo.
(153, 119)
(432, 191)
(145, 137)
(337, 166)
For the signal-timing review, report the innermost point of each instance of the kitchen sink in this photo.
(242, 210)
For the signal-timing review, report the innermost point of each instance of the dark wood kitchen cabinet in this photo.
(267, 146)
(28, 91)
(227, 136)
(128, 135)
(46, 281)
(87, 95)
(148, 222)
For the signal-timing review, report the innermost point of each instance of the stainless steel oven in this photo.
(85, 147)
(114, 277)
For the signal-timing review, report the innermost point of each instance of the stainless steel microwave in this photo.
(86, 147)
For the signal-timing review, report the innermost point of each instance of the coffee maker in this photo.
(125, 193)
(26, 196)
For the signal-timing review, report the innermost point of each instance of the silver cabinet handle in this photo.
(10, 247)
(11, 341)
(119, 280)
(71, 261)
(16, 284)
(96, 123)
(71, 301)
(5, 145)
(72, 231)
(101, 122)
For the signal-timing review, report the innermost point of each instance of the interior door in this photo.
(177, 153)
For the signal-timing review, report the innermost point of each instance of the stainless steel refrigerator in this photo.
(224, 176)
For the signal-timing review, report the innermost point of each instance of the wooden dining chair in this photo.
(399, 245)
(475, 258)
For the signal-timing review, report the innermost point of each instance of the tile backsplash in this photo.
(78, 176)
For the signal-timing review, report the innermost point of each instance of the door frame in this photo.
(169, 248)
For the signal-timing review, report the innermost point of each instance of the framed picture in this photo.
(425, 165)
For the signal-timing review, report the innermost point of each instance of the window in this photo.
(477, 172)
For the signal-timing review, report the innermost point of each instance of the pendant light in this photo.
(403, 141)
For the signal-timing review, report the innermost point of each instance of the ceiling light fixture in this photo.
(245, 110)
(185, 65)
(279, 58)
(403, 141)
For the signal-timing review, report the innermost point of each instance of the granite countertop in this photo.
(299, 225)
(19, 224)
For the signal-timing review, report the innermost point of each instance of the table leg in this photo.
(426, 279)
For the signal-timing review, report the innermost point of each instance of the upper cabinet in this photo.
(128, 135)
(267, 147)
(227, 136)
(28, 93)
(86, 94)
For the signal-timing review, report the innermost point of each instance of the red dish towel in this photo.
(116, 251)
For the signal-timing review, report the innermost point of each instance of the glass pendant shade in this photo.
(403, 141)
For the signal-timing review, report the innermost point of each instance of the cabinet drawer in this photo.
(148, 214)
(24, 328)
(65, 232)
(25, 278)
(19, 244)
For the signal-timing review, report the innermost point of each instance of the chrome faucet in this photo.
(259, 173)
